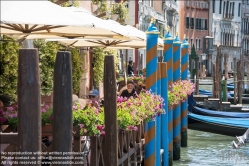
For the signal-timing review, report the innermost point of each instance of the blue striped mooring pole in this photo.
(184, 105)
(151, 153)
(177, 109)
(168, 58)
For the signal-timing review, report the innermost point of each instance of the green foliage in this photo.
(66, 4)
(8, 67)
(98, 61)
(75, 4)
(89, 119)
(121, 10)
(96, 2)
(77, 70)
(47, 115)
(47, 52)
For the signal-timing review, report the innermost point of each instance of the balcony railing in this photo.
(228, 16)
(172, 5)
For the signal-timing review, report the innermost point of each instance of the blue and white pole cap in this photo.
(184, 42)
(152, 29)
(168, 35)
(177, 40)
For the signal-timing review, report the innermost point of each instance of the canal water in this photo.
(208, 149)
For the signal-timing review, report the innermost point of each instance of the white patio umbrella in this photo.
(43, 17)
(107, 43)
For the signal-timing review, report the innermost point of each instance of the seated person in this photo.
(94, 98)
(130, 91)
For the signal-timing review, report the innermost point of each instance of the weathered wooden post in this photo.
(168, 58)
(110, 105)
(152, 155)
(235, 80)
(29, 103)
(62, 106)
(184, 105)
(239, 80)
(177, 108)
(214, 88)
(226, 77)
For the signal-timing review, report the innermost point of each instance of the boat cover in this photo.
(232, 122)
(222, 113)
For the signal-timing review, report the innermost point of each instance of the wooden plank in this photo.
(111, 127)
(29, 102)
(62, 106)
(226, 74)
(9, 138)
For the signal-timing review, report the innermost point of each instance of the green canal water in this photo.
(208, 149)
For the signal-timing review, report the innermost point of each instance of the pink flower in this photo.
(10, 108)
(47, 107)
(81, 125)
(51, 117)
(44, 110)
(99, 127)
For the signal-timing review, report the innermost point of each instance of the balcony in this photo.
(145, 10)
(228, 16)
(246, 32)
(246, 52)
(171, 5)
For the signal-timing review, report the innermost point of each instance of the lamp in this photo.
(203, 56)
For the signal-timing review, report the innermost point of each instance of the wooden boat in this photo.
(219, 125)
(219, 122)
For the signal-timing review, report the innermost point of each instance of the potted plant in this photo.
(90, 119)
(121, 10)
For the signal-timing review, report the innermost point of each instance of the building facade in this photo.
(245, 27)
(165, 13)
(194, 17)
(226, 29)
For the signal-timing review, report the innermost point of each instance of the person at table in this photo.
(130, 91)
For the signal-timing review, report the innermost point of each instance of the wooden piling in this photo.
(29, 103)
(239, 82)
(62, 106)
(226, 76)
(197, 77)
(235, 80)
(111, 127)
(214, 80)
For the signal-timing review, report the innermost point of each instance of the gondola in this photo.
(225, 123)
(219, 125)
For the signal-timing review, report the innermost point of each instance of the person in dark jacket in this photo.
(130, 91)
(130, 68)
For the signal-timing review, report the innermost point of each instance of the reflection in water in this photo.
(207, 149)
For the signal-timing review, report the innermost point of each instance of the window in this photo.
(239, 10)
(196, 43)
(187, 22)
(213, 6)
(199, 44)
(206, 24)
(224, 7)
(192, 23)
(191, 42)
(220, 6)
(196, 23)
(227, 7)
(197, 4)
(187, 3)
(233, 9)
